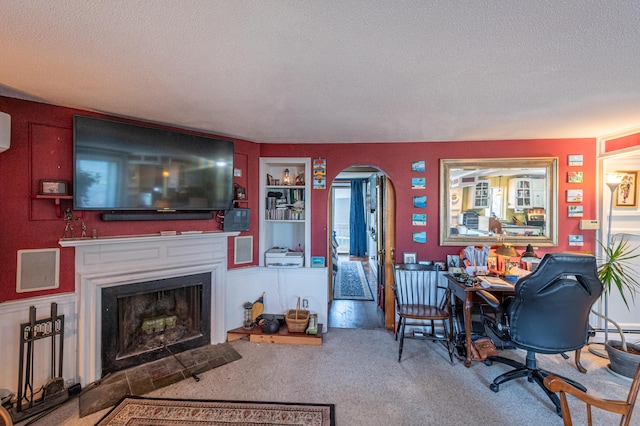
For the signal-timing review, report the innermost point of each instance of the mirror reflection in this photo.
(495, 200)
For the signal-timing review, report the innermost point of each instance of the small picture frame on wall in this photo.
(575, 160)
(54, 187)
(418, 166)
(420, 237)
(419, 219)
(420, 201)
(409, 257)
(574, 195)
(453, 261)
(574, 177)
(576, 240)
(627, 192)
(418, 183)
(575, 211)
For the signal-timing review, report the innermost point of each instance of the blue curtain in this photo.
(357, 225)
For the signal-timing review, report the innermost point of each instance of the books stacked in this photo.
(494, 282)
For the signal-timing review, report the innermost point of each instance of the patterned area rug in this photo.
(351, 282)
(136, 411)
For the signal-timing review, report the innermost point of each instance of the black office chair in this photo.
(422, 300)
(549, 314)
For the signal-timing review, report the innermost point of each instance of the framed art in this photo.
(574, 177)
(418, 166)
(420, 237)
(53, 187)
(576, 240)
(492, 263)
(420, 201)
(575, 211)
(453, 261)
(575, 160)
(409, 257)
(574, 195)
(319, 173)
(627, 192)
(419, 219)
(418, 183)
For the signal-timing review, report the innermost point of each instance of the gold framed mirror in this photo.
(496, 200)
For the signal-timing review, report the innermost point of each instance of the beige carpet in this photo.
(135, 411)
(358, 371)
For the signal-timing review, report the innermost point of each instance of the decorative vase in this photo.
(623, 363)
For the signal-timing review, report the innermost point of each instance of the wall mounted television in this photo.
(131, 168)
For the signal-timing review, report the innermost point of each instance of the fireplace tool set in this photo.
(52, 393)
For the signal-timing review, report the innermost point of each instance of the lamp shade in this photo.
(529, 252)
(507, 250)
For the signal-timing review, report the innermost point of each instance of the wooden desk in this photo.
(467, 295)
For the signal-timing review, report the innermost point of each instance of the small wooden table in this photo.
(467, 294)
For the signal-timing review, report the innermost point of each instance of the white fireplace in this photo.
(118, 261)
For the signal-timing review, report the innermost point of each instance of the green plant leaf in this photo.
(616, 268)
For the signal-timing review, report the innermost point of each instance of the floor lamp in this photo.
(613, 181)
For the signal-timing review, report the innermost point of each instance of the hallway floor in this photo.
(357, 313)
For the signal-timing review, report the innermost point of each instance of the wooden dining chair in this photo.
(625, 408)
(422, 302)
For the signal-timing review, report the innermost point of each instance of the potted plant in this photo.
(616, 271)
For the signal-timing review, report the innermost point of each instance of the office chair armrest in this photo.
(555, 384)
(489, 298)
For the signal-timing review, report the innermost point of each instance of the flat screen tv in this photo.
(120, 166)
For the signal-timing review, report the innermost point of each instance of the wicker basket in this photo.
(297, 320)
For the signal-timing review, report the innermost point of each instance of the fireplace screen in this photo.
(141, 321)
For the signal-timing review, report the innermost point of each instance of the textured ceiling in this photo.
(334, 71)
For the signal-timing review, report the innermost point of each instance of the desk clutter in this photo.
(504, 261)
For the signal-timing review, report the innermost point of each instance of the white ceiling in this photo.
(334, 70)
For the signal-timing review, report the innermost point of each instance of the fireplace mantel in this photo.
(119, 239)
(115, 261)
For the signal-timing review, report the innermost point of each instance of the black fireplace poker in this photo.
(195, 376)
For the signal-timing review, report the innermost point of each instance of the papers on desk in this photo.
(494, 282)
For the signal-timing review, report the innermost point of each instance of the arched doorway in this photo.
(378, 202)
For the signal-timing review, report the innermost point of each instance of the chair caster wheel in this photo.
(494, 387)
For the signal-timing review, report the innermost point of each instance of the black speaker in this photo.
(236, 219)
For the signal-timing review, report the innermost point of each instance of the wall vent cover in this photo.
(38, 269)
(243, 250)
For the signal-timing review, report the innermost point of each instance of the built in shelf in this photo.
(56, 198)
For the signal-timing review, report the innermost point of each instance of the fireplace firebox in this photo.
(146, 321)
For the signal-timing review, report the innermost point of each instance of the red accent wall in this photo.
(622, 143)
(395, 160)
(41, 147)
